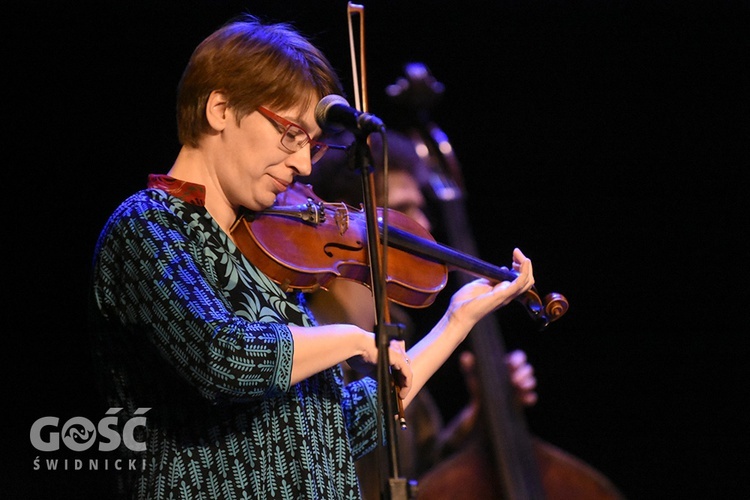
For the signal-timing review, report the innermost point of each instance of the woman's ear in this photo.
(216, 110)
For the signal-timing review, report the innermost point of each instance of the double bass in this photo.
(500, 459)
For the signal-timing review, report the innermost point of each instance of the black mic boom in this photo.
(333, 112)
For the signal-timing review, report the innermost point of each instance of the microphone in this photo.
(334, 112)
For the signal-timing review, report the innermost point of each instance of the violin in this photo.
(303, 242)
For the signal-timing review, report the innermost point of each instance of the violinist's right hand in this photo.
(400, 364)
(318, 348)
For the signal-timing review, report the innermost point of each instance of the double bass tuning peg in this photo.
(418, 88)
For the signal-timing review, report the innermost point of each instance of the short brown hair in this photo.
(254, 64)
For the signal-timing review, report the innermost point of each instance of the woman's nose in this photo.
(300, 161)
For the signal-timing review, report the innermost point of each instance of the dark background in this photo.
(607, 139)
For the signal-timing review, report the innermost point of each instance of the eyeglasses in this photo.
(294, 137)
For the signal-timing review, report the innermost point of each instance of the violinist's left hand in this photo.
(468, 305)
(478, 298)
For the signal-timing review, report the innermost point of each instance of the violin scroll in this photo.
(555, 305)
(544, 312)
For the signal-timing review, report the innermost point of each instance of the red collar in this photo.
(188, 192)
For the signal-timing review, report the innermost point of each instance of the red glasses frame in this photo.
(288, 139)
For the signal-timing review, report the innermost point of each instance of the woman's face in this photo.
(255, 167)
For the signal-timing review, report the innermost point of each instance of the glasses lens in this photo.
(294, 138)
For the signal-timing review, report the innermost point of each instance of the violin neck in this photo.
(451, 257)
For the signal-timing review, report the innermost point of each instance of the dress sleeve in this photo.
(156, 274)
(360, 407)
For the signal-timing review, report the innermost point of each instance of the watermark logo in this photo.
(80, 434)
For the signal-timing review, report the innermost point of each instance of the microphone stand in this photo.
(396, 487)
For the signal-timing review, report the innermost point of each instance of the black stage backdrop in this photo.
(607, 139)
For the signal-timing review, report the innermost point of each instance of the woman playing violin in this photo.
(242, 393)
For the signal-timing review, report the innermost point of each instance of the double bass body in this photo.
(470, 474)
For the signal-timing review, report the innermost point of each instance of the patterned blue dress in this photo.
(184, 325)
